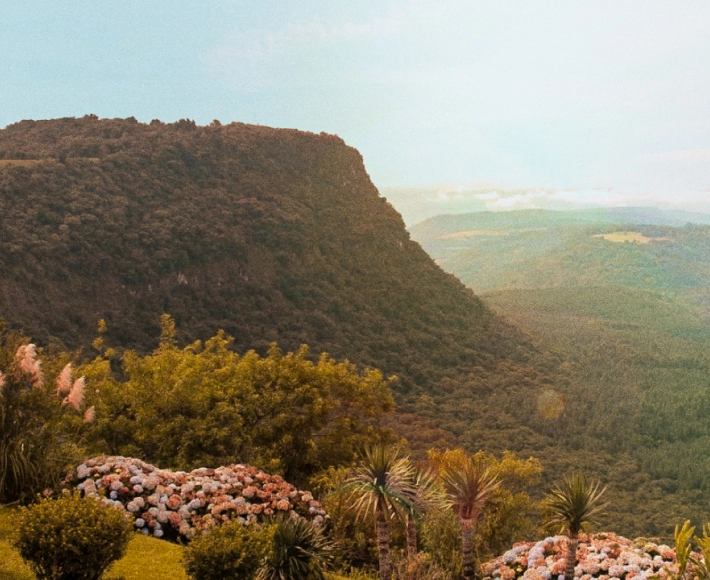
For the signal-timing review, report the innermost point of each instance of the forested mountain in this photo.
(279, 235)
(622, 296)
(272, 235)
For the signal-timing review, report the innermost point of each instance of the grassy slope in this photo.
(146, 557)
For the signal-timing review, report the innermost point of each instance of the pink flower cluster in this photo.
(599, 556)
(174, 503)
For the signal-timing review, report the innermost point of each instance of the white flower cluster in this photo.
(600, 556)
(171, 503)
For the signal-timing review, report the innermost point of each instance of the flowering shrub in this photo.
(603, 556)
(71, 538)
(171, 503)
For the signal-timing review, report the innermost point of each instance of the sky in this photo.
(600, 102)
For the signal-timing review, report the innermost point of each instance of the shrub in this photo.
(231, 551)
(170, 503)
(420, 567)
(71, 538)
(299, 551)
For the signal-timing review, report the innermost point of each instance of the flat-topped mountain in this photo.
(271, 235)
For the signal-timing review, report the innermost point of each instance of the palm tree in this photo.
(572, 505)
(384, 485)
(468, 486)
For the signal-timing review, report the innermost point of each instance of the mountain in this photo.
(269, 234)
(623, 297)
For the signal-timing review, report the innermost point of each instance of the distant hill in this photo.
(623, 296)
(635, 247)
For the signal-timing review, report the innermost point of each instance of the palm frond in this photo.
(575, 503)
(468, 487)
(384, 480)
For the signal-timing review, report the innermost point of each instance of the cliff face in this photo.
(272, 235)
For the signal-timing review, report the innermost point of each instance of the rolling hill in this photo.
(622, 296)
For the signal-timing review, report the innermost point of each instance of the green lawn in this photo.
(146, 558)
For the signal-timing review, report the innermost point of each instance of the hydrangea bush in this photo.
(175, 504)
(599, 556)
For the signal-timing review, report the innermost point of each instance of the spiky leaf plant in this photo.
(299, 551)
(573, 504)
(468, 486)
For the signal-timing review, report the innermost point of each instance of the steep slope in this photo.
(272, 235)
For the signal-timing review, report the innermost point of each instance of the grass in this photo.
(145, 558)
(631, 237)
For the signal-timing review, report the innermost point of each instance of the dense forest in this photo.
(280, 236)
(621, 295)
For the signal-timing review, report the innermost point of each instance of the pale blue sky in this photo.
(530, 93)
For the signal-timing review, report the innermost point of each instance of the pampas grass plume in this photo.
(76, 395)
(90, 415)
(27, 357)
(64, 381)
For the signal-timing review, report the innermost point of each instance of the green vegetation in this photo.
(281, 412)
(384, 486)
(299, 551)
(71, 538)
(280, 237)
(270, 235)
(468, 485)
(163, 559)
(628, 322)
(231, 551)
(38, 431)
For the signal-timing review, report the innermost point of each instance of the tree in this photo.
(468, 486)
(383, 484)
(510, 515)
(283, 412)
(572, 505)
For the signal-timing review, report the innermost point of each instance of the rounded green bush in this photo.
(71, 538)
(231, 551)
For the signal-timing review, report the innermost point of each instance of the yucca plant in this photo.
(701, 565)
(384, 484)
(299, 551)
(468, 487)
(573, 504)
